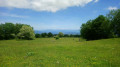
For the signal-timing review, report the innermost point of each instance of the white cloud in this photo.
(96, 1)
(44, 5)
(112, 8)
(13, 15)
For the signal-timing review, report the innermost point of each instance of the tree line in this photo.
(23, 31)
(18, 31)
(102, 27)
(60, 34)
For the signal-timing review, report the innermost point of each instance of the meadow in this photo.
(65, 52)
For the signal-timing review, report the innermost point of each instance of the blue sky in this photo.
(54, 14)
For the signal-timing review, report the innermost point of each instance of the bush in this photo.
(60, 34)
(26, 32)
(56, 37)
(37, 35)
(50, 34)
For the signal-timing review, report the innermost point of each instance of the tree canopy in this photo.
(60, 34)
(102, 26)
(26, 32)
(10, 30)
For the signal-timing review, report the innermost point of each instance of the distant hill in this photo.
(57, 31)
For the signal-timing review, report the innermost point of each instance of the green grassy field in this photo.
(65, 52)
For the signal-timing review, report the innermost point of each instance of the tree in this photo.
(116, 23)
(50, 34)
(2, 32)
(26, 32)
(9, 31)
(18, 27)
(44, 35)
(60, 34)
(37, 35)
(85, 30)
(114, 20)
(96, 29)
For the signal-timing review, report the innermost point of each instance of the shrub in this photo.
(26, 32)
(37, 35)
(50, 34)
(60, 34)
(56, 37)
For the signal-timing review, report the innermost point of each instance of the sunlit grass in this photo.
(65, 52)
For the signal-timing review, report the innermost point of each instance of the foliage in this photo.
(114, 18)
(96, 29)
(71, 35)
(37, 35)
(26, 32)
(56, 37)
(1, 32)
(44, 35)
(18, 27)
(50, 34)
(66, 35)
(102, 27)
(7, 31)
(60, 34)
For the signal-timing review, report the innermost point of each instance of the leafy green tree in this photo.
(86, 30)
(37, 35)
(26, 32)
(60, 34)
(44, 35)
(114, 19)
(96, 29)
(2, 32)
(50, 34)
(9, 30)
(17, 28)
(116, 23)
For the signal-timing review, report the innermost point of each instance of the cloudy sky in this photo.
(54, 14)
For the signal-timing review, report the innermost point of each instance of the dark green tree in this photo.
(44, 35)
(2, 35)
(96, 29)
(114, 20)
(9, 30)
(50, 34)
(17, 28)
(37, 35)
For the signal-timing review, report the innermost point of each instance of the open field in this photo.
(65, 52)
